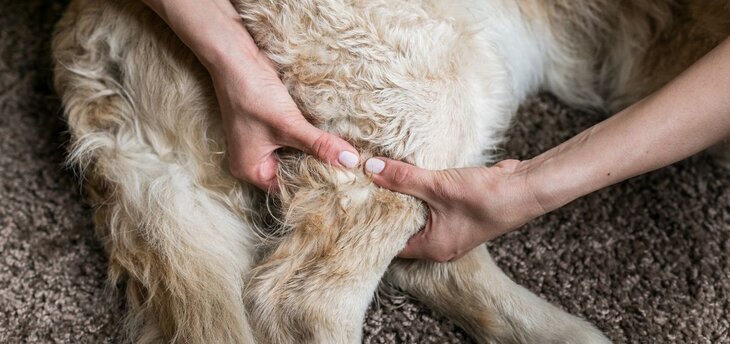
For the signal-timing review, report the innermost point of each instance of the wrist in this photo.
(216, 46)
(235, 50)
(539, 187)
(514, 201)
(555, 180)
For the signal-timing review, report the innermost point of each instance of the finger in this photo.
(401, 177)
(415, 248)
(262, 174)
(323, 145)
(255, 164)
(267, 180)
(508, 165)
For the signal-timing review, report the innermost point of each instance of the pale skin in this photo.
(258, 113)
(468, 206)
(472, 205)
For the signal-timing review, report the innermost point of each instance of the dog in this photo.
(206, 258)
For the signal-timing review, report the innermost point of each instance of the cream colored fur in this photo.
(427, 81)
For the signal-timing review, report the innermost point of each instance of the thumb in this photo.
(401, 177)
(324, 146)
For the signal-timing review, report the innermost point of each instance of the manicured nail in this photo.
(348, 159)
(375, 165)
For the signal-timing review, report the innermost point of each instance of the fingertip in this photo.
(375, 165)
(348, 159)
(347, 155)
(346, 146)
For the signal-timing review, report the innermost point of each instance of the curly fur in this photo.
(427, 81)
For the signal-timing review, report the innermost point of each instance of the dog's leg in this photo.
(316, 285)
(167, 214)
(476, 294)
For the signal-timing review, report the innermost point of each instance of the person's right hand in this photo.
(260, 116)
(467, 206)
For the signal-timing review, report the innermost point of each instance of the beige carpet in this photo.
(647, 261)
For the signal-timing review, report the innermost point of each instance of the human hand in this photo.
(467, 206)
(260, 116)
(258, 113)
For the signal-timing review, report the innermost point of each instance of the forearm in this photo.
(688, 115)
(214, 45)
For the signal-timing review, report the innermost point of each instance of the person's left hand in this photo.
(260, 117)
(467, 206)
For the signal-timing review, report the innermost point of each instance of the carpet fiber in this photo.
(646, 261)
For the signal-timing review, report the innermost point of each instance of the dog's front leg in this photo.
(316, 285)
(479, 297)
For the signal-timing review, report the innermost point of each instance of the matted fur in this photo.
(430, 82)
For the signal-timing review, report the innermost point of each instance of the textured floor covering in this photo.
(646, 261)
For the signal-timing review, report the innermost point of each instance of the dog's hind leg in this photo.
(480, 298)
(143, 130)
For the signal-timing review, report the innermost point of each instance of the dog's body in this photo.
(431, 82)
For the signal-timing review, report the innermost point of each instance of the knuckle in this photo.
(442, 251)
(401, 175)
(285, 125)
(284, 129)
(235, 169)
(241, 171)
(443, 256)
(443, 189)
(323, 145)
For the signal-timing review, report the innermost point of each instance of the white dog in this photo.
(432, 82)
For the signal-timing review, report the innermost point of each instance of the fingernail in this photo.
(348, 159)
(374, 165)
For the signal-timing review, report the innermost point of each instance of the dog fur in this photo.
(430, 82)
